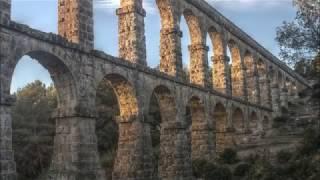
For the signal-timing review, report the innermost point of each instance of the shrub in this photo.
(220, 173)
(283, 156)
(310, 143)
(241, 170)
(229, 156)
(202, 167)
(262, 170)
(280, 121)
(198, 166)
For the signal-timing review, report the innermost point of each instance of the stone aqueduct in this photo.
(241, 99)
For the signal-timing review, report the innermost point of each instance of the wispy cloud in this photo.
(149, 5)
(240, 5)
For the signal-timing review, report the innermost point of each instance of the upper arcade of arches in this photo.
(202, 20)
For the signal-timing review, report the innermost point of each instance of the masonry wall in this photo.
(77, 70)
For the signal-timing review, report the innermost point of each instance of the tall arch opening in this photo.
(253, 124)
(185, 42)
(125, 124)
(152, 25)
(238, 120)
(239, 127)
(265, 123)
(37, 98)
(217, 58)
(196, 118)
(198, 62)
(105, 17)
(263, 77)
(220, 117)
(251, 78)
(107, 129)
(236, 70)
(163, 111)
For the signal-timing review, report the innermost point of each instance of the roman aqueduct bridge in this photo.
(238, 99)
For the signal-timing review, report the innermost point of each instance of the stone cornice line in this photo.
(216, 16)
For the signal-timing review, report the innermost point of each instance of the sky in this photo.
(258, 18)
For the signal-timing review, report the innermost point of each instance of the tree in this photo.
(300, 39)
(33, 130)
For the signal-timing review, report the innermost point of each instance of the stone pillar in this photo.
(175, 152)
(7, 164)
(284, 97)
(5, 11)
(76, 21)
(132, 41)
(75, 154)
(238, 80)
(275, 99)
(244, 83)
(170, 52)
(131, 156)
(252, 82)
(221, 74)
(201, 142)
(199, 64)
(264, 94)
(269, 95)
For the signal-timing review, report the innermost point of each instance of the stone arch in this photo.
(252, 84)
(237, 75)
(216, 41)
(263, 78)
(198, 65)
(253, 122)
(167, 14)
(62, 77)
(168, 113)
(265, 123)
(220, 117)
(199, 128)
(170, 39)
(196, 35)
(167, 105)
(64, 82)
(280, 80)
(130, 129)
(238, 120)
(126, 96)
(218, 59)
(172, 135)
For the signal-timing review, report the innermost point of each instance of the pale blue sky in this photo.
(259, 18)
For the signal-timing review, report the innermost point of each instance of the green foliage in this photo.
(284, 156)
(228, 156)
(300, 39)
(262, 169)
(220, 173)
(310, 143)
(33, 130)
(280, 121)
(106, 126)
(202, 168)
(241, 169)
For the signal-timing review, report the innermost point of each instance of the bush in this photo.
(280, 121)
(220, 173)
(241, 170)
(198, 166)
(310, 143)
(283, 156)
(262, 170)
(229, 156)
(202, 167)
